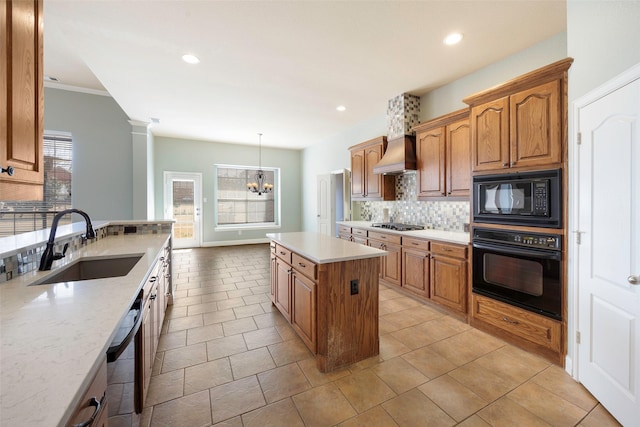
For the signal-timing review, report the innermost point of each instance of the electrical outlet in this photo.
(354, 287)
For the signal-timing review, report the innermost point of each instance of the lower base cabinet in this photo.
(303, 316)
(449, 276)
(93, 410)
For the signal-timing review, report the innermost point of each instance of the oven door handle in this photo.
(115, 351)
(510, 250)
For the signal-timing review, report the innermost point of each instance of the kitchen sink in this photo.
(92, 268)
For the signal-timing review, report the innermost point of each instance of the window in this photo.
(237, 207)
(23, 216)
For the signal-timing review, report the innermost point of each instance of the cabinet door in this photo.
(303, 316)
(357, 174)
(21, 99)
(373, 182)
(283, 288)
(392, 264)
(535, 126)
(415, 271)
(490, 135)
(147, 347)
(378, 245)
(449, 282)
(273, 278)
(430, 146)
(458, 143)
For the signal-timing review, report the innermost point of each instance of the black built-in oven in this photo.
(523, 198)
(519, 268)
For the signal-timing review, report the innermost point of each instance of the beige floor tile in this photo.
(182, 302)
(599, 417)
(165, 387)
(316, 377)
(374, 417)
(323, 406)
(512, 364)
(232, 422)
(251, 362)
(214, 295)
(430, 363)
(386, 293)
(182, 357)
(238, 293)
(219, 316)
(390, 347)
(414, 409)
(262, 338)
(396, 304)
(193, 410)
(182, 323)
(230, 303)
(258, 297)
(282, 413)
(412, 316)
(474, 421)
(206, 307)
(455, 399)
(365, 364)
(235, 398)
(385, 327)
(283, 382)
(506, 413)
(172, 340)
(207, 375)
(466, 346)
(226, 346)
(204, 333)
(174, 312)
(268, 320)
(546, 405)
(203, 290)
(364, 390)
(556, 380)
(234, 327)
(399, 374)
(485, 384)
(289, 351)
(286, 332)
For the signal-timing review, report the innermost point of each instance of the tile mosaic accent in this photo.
(29, 259)
(406, 209)
(402, 115)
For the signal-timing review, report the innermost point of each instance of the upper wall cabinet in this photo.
(443, 154)
(366, 185)
(21, 99)
(519, 124)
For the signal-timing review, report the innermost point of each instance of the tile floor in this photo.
(228, 358)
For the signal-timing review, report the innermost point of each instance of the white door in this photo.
(608, 219)
(326, 205)
(182, 203)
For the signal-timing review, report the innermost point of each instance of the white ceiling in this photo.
(278, 67)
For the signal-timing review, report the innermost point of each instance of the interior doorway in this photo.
(334, 200)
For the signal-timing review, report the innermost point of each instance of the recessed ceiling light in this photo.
(341, 108)
(191, 59)
(452, 39)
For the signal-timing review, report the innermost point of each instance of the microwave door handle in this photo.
(543, 254)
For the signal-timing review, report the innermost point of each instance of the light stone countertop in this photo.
(324, 249)
(53, 337)
(445, 236)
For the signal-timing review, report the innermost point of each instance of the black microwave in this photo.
(526, 198)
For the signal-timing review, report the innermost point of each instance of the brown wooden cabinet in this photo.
(416, 266)
(520, 124)
(21, 99)
(303, 315)
(365, 185)
(391, 265)
(443, 154)
(283, 288)
(449, 275)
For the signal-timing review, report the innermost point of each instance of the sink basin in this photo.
(92, 268)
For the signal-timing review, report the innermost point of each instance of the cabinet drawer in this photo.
(454, 251)
(524, 324)
(385, 237)
(283, 253)
(343, 229)
(272, 246)
(361, 240)
(303, 265)
(359, 232)
(410, 242)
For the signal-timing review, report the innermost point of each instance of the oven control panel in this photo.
(545, 241)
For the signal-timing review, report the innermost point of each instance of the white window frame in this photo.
(276, 224)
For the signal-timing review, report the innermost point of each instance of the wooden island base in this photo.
(331, 301)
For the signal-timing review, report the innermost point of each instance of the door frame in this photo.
(169, 176)
(572, 360)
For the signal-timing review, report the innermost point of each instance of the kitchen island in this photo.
(327, 288)
(54, 337)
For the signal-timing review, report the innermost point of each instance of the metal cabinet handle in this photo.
(153, 296)
(282, 253)
(633, 280)
(98, 404)
(302, 264)
(153, 279)
(513, 322)
(505, 165)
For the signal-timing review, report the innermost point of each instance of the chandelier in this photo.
(260, 185)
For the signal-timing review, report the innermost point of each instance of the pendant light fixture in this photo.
(260, 185)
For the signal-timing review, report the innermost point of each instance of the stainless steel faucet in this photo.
(49, 256)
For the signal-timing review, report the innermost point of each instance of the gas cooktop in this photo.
(397, 226)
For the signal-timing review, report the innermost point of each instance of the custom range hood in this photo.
(400, 156)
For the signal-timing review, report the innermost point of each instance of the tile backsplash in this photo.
(406, 209)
